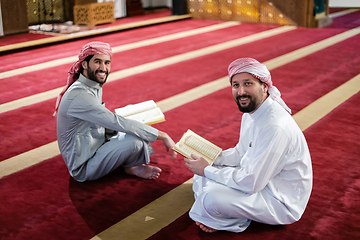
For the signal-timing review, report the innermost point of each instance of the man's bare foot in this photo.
(205, 228)
(144, 171)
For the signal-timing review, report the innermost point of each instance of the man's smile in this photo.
(243, 99)
(101, 74)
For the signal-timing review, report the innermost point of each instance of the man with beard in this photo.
(267, 176)
(83, 120)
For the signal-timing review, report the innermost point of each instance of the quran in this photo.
(191, 143)
(146, 112)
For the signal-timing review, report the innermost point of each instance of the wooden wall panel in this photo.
(14, 16)
(291, 12)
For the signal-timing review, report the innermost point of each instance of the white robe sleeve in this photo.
(260, 163)
(229, 157)
(88, 108)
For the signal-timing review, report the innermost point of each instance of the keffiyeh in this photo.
(91, 48)
(259, 71)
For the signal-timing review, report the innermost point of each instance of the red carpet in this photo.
(333, 211)
(159, 83)
(37, 82)
(351, 20)
(43, 202)
(19, 38)
(62, 50)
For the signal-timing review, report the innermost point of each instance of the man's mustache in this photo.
(101, 71)
(242, 96)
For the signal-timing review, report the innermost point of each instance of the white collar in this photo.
(268, 101)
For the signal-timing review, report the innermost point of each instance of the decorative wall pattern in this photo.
(94, 13)
(254, 11)
(45, 11)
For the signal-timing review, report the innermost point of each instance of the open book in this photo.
(191, 143)
(146, 112)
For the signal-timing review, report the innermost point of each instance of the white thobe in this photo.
(266, 177)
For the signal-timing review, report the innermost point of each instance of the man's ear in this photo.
(84, 64)
(265, 87)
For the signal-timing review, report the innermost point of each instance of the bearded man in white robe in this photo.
(267, 176)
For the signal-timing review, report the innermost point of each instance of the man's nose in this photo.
(102, 66)
(241, 91)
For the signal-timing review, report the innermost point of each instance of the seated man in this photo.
(267, 176)
(82, 120)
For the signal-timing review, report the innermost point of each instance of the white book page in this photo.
(147, 116)
(188, 151)
(191, 143)
(135, 108)
(202, 147)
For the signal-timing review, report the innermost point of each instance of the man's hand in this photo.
(168, 143)
(196, 165)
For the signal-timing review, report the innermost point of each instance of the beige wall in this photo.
(344, 3)
(157, 3)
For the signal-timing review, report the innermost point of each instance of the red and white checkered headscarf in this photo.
(259, 71)
(91, 48)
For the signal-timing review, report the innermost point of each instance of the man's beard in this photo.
(92, 76)
(249, 108)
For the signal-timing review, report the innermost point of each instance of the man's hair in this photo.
(263, 83)
(87, 59)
